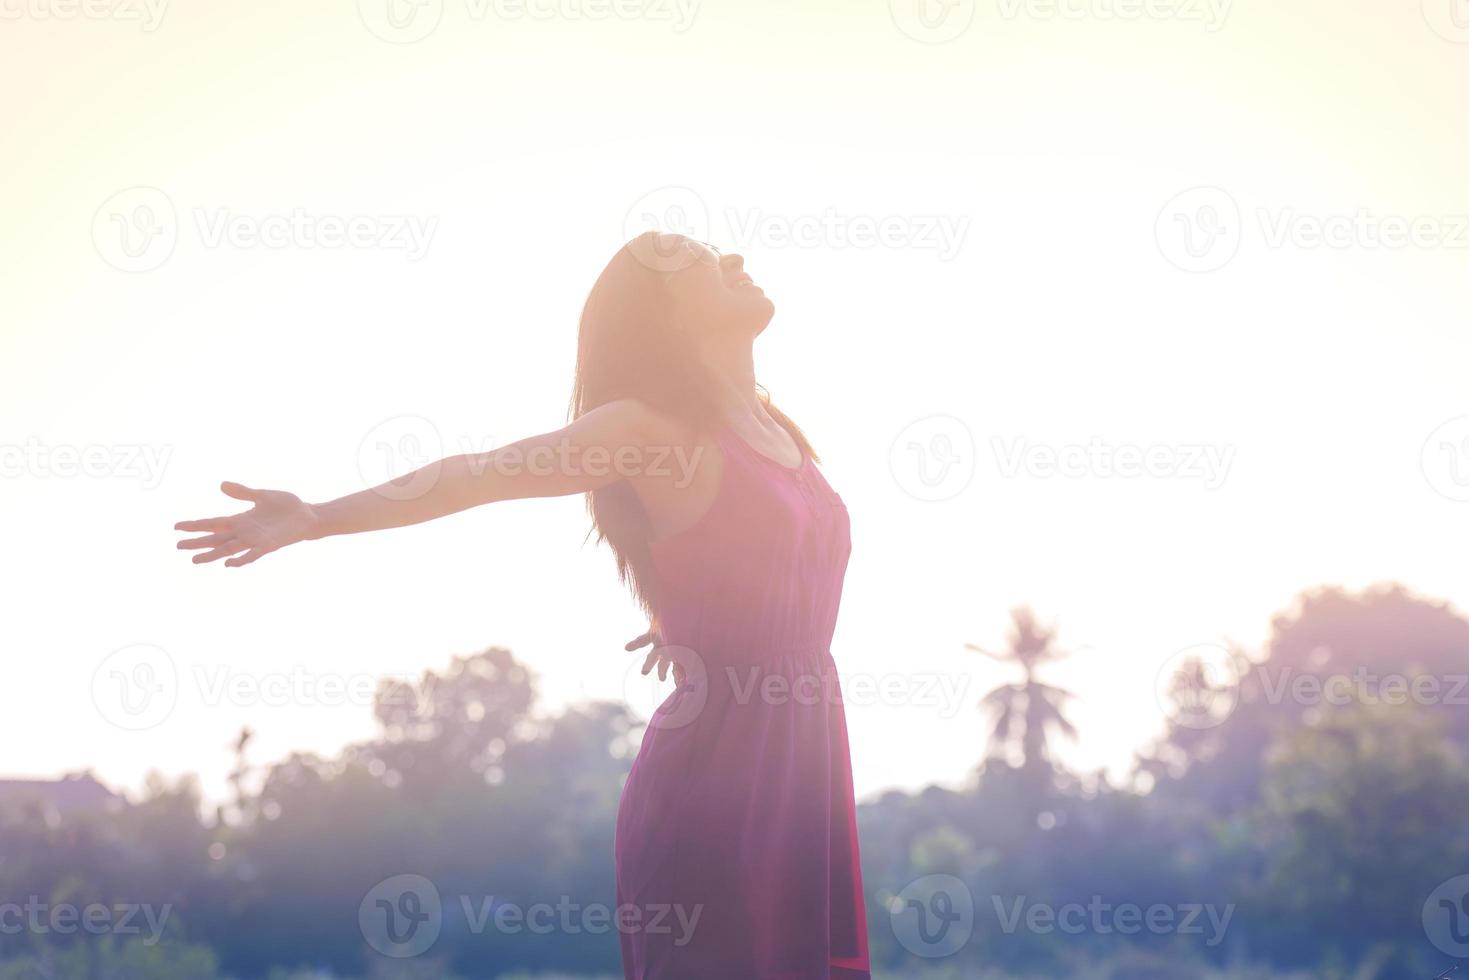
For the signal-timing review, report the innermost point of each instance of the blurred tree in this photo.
(1370, 644)
(1027, 716)
(110, 958)
(464, 786)
(1361, 817)
(1325, 825)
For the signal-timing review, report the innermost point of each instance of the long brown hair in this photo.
(629, 347)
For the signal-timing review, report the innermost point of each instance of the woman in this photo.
(738, 818)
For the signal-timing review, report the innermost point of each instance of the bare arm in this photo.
(603, 446)
(574, 459)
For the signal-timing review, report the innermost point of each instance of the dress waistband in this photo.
(809, 653)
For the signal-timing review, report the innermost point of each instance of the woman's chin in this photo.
(767, 310)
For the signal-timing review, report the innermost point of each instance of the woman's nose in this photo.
(733, 260)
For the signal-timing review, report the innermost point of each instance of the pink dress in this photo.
(737, 852)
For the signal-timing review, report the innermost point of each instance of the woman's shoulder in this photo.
(647, 424)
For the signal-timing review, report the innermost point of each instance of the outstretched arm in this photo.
(603, 446)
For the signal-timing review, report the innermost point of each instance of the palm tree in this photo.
(1029, 715)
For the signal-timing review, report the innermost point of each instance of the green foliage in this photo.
(1322, 828)
(108, 958)
(1360, 816)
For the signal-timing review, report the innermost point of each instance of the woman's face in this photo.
(712, 291)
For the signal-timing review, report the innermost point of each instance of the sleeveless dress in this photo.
(736, 845)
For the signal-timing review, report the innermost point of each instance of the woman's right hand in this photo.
(277, 519)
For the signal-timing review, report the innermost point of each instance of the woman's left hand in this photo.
(659, 656)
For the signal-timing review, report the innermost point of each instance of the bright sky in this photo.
(245, 242)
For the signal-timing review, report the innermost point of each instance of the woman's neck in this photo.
(733, 372)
